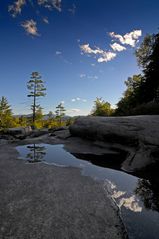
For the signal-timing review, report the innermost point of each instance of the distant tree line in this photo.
(36, 89)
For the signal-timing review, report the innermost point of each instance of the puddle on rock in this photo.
(136, 197)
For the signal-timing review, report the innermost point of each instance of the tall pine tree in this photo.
(60, 112)
(36, 87)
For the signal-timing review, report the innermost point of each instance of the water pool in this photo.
(136, 197)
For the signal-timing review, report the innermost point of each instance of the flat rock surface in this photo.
(41, 201)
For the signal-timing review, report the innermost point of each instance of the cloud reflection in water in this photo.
(120, 198)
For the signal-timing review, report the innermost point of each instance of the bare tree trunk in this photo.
(34, 105)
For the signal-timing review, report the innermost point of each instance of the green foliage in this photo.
(143, 89)
(150, 85)
(70, 121)
(60, 113)
(150, 108)
(101, 108)
(6, 119)
(54, 123)
(148, 58)
(143, 53)
(20, 121)
(36, 89)
(50, 115)
(39, 114)
(130, 97)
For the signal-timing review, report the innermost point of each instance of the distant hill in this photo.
(45, 117)
(21, 115)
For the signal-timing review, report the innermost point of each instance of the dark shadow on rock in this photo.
(112, 161)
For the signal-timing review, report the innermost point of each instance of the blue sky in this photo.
(83, 49)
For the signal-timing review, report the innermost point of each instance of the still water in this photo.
(136, 197)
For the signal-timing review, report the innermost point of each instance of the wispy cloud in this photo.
(16, 8)
(102, 56)
(50, 4)
(83, 75)
(30, 27)
(58, 53)
(74, 110)
(78, 99)
(117, 47)
(72, 10)
(92, 77)
(45, 20)
(130, 38)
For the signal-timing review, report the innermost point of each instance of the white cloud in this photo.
(16, 8)
(82, 75)
(87, 49)
(117, 47)
(78, 99)
(50, 4)
(130, 38)
(58, 52)
(107, 56)
(103, 56)
(30, 27)
(62, 102)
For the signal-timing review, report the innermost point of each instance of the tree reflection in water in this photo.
(148, 191)
(36, 153)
